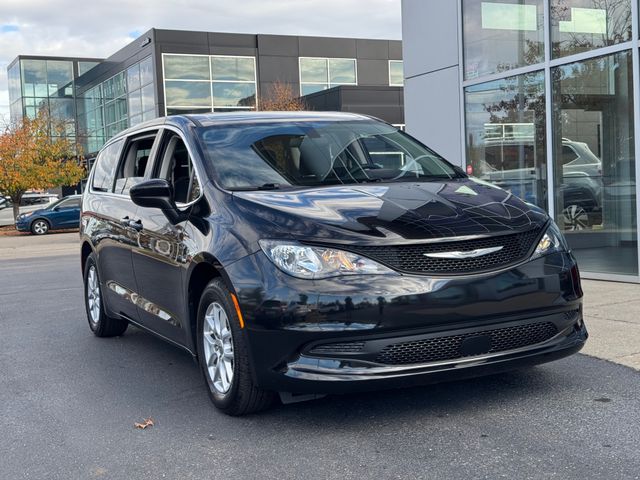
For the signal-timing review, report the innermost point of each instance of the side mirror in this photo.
(157, 193)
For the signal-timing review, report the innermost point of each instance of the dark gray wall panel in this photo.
(232, 40)
(373, 72)
(242, 51)
(199, 49)
(395, 50)
(282, 45)
(274, 69)
(181, 36)
(327, 47)
(374, 49)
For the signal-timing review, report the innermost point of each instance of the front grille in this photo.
(448, 347)
(338, 348)
(411, 258)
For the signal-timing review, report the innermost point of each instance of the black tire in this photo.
(100, 323)
(243, 396)
(40, 227)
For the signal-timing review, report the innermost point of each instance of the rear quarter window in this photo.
(105, 168)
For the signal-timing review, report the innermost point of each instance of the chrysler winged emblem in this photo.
(479, 252)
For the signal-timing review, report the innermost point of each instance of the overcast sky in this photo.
(98, 29)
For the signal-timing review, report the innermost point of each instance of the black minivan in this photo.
(309, 253)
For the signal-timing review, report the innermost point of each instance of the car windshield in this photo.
(293, 154)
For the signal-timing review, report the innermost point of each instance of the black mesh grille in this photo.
(412, 259)
(335, 348)
(448, 348)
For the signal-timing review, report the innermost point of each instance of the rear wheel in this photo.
(223, 355)
(101, 324)
(40, 227)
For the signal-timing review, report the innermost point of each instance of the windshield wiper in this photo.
(264, 186)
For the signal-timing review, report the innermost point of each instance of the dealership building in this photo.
(541, 97)
(166, 72)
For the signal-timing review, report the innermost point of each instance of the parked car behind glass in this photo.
(64, 213)
(311, 253)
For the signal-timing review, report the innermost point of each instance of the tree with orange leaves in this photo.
(33, 159)
(281, 98)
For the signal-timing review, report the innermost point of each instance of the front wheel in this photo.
(40, 227)
(101, 324)
(223, 355)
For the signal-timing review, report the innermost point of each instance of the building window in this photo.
(119, 102)
(501, 35)
(581, 25)
(594, 162)
(505, 131)
(209, 83)
(317, 74)
(396, 73)
(84, 67)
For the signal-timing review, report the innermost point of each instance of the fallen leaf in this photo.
(148, 422)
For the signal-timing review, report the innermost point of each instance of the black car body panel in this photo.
(154, 269)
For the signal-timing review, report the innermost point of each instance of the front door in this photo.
(160, 258)
(68, 213)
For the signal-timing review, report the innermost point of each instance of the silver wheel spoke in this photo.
(218, 347)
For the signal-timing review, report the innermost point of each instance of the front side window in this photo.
(67, 204)
(298, 154)
(105, 167)
(177, 169)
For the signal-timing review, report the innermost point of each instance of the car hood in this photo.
(392, 212)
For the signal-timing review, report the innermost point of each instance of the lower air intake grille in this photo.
(514, 248)
(337, 348)
(448, 348)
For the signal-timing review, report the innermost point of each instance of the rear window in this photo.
(293, 154)
(105, 167)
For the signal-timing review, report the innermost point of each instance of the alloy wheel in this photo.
(218, 347)
(575, 218)
(40, 227)
(93, 295)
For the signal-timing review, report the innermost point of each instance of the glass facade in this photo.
(594, 172)
(582, 25)
(119, 102)
(396, 73)
(501, 35)
(505, 123)
(560, 131)
(317, 74)
(208, 83)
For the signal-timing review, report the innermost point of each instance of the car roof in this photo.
(226, 118)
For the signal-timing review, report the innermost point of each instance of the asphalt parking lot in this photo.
(68, 402)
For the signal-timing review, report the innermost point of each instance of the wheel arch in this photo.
(205, 268)
(85, 251)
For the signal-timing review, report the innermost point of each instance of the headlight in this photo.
(308, 262)
(552, 241)
(25, 215)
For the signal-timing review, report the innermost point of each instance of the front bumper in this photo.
(23, 225)
(286, 318)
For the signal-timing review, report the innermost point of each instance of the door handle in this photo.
(136, 224)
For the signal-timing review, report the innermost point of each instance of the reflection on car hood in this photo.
(394, 211)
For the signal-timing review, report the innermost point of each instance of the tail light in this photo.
(469, 169)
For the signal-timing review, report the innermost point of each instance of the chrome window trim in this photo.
(160, 128)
